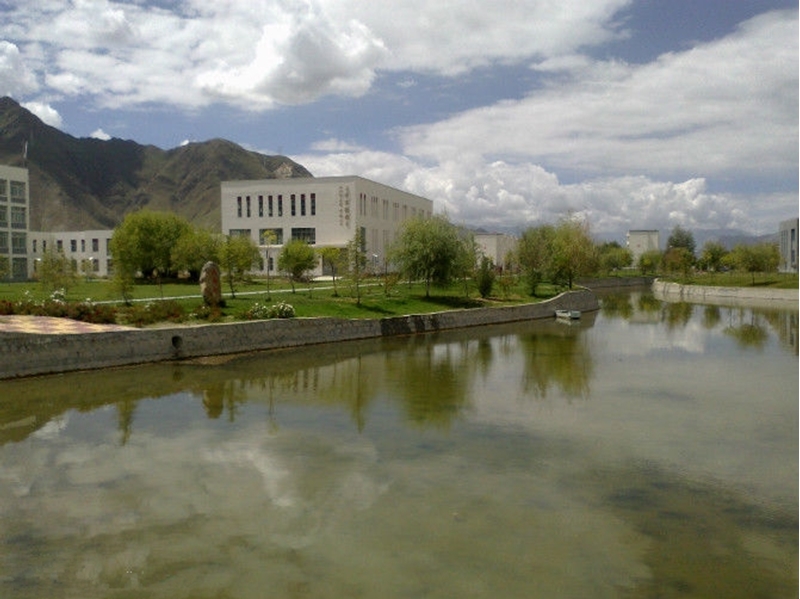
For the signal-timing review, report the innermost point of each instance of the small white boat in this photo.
(568, 314)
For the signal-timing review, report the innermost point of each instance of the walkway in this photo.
(48, 325)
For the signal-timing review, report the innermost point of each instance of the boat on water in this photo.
(568, 314)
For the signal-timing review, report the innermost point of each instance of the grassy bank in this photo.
(737, 279)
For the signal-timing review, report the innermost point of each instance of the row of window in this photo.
(274, 205)
(19, 218)
(275, 236)
(19, 243)
(16, 188)
(377, 208)
(73, 245)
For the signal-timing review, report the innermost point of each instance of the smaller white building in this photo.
(87, 250)
(14, 218)
(640, 241)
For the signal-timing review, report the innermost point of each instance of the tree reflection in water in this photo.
(556, 357)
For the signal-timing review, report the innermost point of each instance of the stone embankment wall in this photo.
(29, 354)
(726, 296)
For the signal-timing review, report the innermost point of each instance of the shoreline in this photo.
(751, 297)
(42, 354)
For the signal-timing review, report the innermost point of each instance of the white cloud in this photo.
(100, 134)
(45, 112)
(720, 108)
(16, 78)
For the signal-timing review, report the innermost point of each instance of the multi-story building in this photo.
(640, 241)
(14, 216)
(87, 250)
(787, 238)
(497, 246)
(324, 211)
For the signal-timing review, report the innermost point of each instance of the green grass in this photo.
(739, 279)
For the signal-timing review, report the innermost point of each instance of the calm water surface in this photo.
(649, 451)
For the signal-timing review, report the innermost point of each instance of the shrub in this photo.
(140, 315)
(260, 311)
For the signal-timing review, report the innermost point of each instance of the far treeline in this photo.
(160, 245)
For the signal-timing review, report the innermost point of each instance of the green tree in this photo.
(467, 259)
(681, 238)
(296, 259)
(193, 249)
(678, 259)
(712, 255)
(535, 254)
(612, 257)
(143, 242)
(237, 255)
(268, 239)
(485, 277)
(333, 257)
(56, 271)
(357, 260)
(761, 257)
(649, 261)
(573, 251)
(428, 249)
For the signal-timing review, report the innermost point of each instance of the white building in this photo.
(641, 241)
(497, 246)
(324, 211)
(787, 239)
(14, 218)
(87, 250)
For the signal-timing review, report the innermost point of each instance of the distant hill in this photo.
(85, 183)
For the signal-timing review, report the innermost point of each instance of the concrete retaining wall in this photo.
(26, 355)
(726, 296)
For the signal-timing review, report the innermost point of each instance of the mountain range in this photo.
(85, 183)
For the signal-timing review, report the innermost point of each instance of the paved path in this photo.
(48, 325)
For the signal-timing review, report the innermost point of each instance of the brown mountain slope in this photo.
(79, 184)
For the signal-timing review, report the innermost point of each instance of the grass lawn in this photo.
(739, 279)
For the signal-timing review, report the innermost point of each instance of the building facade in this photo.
(640, 241)
(324, 212)
(14, 218)
(87, 250)
(787, 240)
(497, 246)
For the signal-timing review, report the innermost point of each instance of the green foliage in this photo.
(262, 311)
(485, 277)
(193, 249)
(296, 259)
(55, 271)
(681, 238)
(357, 260)
(237, 255)
(761, 257)
(535, 255)
(613, 257)
(143, 242)
(678, 259)
(649, 261)
(143, 314)
(712, 255)
(428, 250)
(574, 251)
(335, 259)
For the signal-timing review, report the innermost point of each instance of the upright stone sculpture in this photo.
(210, 286)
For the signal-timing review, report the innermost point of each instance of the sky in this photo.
(629, 114)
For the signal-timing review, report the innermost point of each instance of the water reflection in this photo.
(456, 464)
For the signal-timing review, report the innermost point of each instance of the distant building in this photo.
(641, 241)
(14, 218)
(323, 211)
(787, 235)
(87, 250)
(497, 246)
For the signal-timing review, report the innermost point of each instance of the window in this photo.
(302, 204)
(280, 205)
(248, 206)
(59, 246)
(33, 243)
(19, 268)
(95, 245)
(277, 236)
(83, 245)
(3, 217)
(260, 206)
(239, 206)
(73, 245)
(3, 242)
(18, 192)
(242, 232)
(18, 217)
(293, 205)
(269, 206)
(307, 234)
(3, 190)
(19, 242)
(313, 204)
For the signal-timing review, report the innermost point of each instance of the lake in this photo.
(647, 450)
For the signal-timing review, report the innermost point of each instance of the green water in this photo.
(650, 450)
